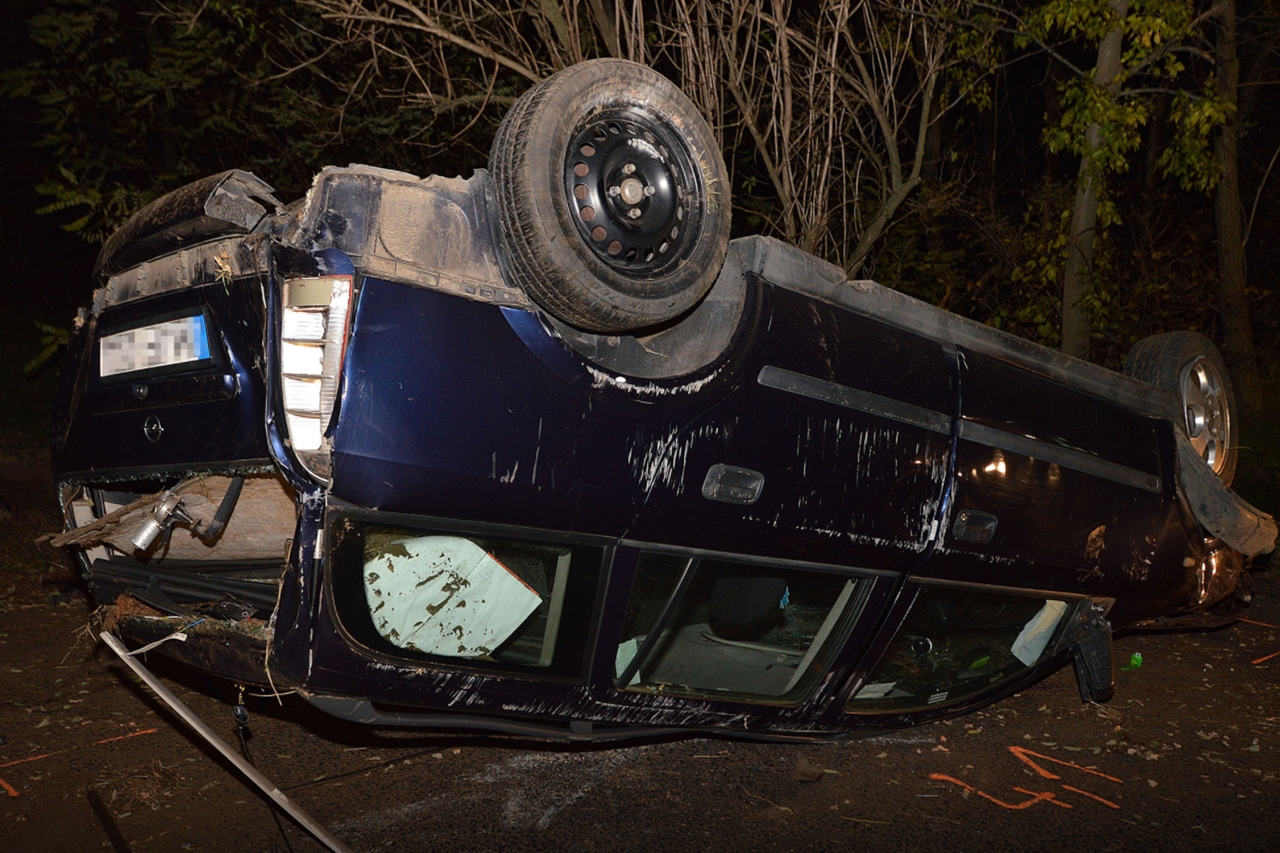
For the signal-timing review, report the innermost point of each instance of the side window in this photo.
(956, 643)
(722, 629)
(470, 599)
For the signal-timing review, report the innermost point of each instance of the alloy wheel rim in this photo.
(1205, 410)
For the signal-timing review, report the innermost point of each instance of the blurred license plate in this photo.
(164, 344)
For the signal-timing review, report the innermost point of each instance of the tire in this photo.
(1188, 365)
(612, 198)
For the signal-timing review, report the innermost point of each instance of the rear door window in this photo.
(958, 642)
(724, 629)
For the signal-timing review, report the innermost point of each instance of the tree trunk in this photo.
(1084, 215)
(1237, 333)
(930, 175)
(1151, 199)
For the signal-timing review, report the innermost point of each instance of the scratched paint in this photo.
(907, 472)
(1138, 567)
(1093, 548)
(601, 379)
(663, 460)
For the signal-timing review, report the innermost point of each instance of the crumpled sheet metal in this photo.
(1223, 513)
(431, 232)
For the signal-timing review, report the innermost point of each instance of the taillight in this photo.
(313, 337)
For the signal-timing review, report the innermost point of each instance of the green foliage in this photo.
(1120, 123)
(1039, 252)
(137, 97)
(976, 57)
(918, 258)
(1102, 115)
(1002, 266)
(54, 340)
(1189, 159)
(1156, 34)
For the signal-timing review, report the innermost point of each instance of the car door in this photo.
(1056, 488)
(837, 434)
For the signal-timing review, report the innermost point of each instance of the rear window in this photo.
(465, 599)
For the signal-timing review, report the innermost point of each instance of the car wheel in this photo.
(1188, 364)
(612, 198)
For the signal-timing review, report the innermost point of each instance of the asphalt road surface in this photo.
(1186, 757)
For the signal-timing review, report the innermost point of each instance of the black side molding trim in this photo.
(913, 415)
(1076, 460)
(853, 398)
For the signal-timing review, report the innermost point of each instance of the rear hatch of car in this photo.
(164, 393)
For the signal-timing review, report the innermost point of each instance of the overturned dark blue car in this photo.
(543, 451)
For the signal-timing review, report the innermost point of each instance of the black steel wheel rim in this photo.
(635, 193)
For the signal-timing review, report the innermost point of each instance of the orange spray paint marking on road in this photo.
(1043, 797)
(1036, 796)
(13, 791)
(33, 758)
(1075, 790)
(1032, 760)
(1021, 753)
(124, 737)
(1264, 658)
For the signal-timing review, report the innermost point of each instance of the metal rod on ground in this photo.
(118, 842)
(189, 717)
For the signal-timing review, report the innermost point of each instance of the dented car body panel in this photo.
(812, 507)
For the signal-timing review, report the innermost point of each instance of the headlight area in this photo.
(313, 339)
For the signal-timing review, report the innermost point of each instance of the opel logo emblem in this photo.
(152, 429)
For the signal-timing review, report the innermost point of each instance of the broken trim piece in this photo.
(1222, 512)
(203, 265)
(221, 204)
(1089, 640)
(252, 773)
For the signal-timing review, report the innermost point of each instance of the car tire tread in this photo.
(540, 247)
(1160, 360)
